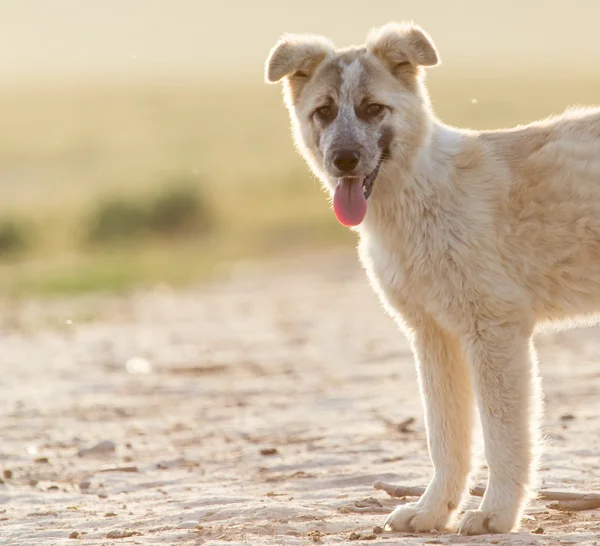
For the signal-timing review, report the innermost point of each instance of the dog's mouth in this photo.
(351, 194)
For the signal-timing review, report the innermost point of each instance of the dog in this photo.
(471, 239)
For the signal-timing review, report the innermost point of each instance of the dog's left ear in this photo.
(397, 44)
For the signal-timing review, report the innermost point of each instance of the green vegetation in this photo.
(178, 211)
(117, 221)
(110, 188)
(181, 210)
(14, 237)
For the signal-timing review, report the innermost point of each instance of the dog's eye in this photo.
(324, 112)
(374, 108)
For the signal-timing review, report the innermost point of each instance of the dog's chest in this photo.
(411, 275)
(394, 273)
(384, 265)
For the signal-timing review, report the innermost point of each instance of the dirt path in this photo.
(252, 412)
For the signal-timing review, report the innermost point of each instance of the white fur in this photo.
(471, 239)
(432, 277)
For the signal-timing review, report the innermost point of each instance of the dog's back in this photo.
(551, 213)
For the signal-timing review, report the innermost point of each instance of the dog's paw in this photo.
(413, 517)
(477, 522)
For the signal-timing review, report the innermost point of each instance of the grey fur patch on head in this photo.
(355, 86)
(327, 77)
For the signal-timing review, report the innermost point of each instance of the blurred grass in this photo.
(66, 151)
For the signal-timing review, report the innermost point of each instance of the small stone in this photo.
(538, 531)
(122, 533)
(110, 515)
(377, 530)
(369, 536)
(567, 417)
(316, 536)
(42, 460)
(368, 502)
(268, 451)
(191, 524)
(391, 459)
(84, 485)
(105, 447)
(53, 488)
(354, 536)
(74, 534)
(7, 474)
(103, 495)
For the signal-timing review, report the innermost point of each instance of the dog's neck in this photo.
(414, 181)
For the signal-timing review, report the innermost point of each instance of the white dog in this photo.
(469, 238)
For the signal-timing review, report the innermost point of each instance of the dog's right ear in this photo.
(295, 57)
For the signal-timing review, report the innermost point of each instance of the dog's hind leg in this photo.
(448, 401)
(507, 386)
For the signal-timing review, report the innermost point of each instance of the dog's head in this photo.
(354, 109)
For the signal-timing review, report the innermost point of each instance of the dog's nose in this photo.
(346, 160)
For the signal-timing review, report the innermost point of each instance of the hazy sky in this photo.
(54, 39)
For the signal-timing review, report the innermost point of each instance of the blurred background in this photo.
(139, 145)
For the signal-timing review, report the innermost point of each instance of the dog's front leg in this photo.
(447, 397)
(507, 387)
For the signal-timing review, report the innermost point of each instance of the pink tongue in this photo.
(349, 203)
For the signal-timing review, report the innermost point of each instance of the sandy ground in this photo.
(257, 411)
